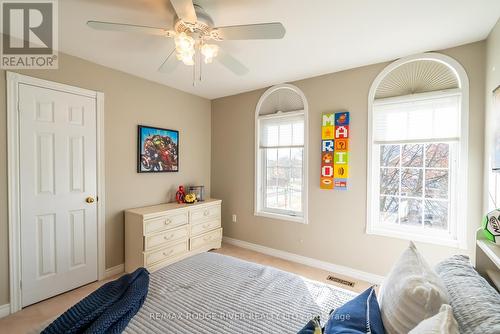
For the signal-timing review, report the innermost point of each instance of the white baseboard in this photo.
(110, 272)
(4, 310)
(354, 273)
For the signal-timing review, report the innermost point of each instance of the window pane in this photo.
(282, 198)
(436, 214)
(296, 178)
(271, 197)
(297, 154)
(389, 207)
(284, 157)
(271, 157)
(436, 183)
(389, 155)
(411, 182)
(271, 177)
(410, 211)
(283, 175)
(389, 181)
(298, 133)
(285, 135)
(412, 155)
(437, 155)
(296, 200)
(271, 135)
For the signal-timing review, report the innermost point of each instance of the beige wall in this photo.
(336, 229)
(129, 101)
(492, 181)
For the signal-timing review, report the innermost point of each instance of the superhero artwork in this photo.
(158, 150)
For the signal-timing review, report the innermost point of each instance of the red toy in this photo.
(180, 194)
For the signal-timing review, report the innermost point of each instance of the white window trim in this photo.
(258, 159)
(460, 237)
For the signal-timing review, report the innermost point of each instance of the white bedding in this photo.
(213, 293)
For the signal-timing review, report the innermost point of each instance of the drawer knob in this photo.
(206, 213)
(168, 237)
(169, 252)
(167, 221)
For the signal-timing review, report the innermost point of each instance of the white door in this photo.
(58, 169)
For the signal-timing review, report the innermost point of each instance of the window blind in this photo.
(432, 119)
(286, 131)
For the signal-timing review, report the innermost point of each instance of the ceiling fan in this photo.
(193, 31)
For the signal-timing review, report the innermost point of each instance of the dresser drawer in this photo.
(206, 213)
(165, 253)
(204, 227)
(206, 239)
(165, 222)
(162, 238)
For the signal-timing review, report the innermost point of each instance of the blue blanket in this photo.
(106, 310)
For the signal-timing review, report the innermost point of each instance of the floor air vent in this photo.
(340, 280)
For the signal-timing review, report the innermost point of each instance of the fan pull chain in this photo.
(201, 65)
(194, 73)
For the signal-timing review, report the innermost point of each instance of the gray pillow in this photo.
(475, 303)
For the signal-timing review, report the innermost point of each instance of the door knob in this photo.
(90, 199)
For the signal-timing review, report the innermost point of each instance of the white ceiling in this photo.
(323, 36)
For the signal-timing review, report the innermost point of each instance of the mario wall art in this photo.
(158, 150)
(334, 150)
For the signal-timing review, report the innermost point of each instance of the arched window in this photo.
(281, 154)
(417, 150)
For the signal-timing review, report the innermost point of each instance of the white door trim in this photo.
(13, 81)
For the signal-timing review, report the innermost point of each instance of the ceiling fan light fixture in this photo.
(209, 52)
(187, 57)
(184, 47)
(184, 42)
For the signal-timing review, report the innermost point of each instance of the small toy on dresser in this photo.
(180, 195)
(198, 191)
(190, 199)
(193, 195)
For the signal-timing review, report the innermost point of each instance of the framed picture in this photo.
(158, 150)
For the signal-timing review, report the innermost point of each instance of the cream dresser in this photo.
(158, 235)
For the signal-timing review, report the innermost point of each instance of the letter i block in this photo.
(341, 158)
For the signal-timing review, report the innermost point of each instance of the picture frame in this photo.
(157, 150)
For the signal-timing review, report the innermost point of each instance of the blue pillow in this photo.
(360, 315)
(312, 327)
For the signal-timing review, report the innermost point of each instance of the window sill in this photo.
(392, 233)
(278, 216)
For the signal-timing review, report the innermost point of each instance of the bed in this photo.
(214, 293)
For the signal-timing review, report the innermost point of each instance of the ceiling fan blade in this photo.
(185, 10)
(274, 30)
(231, 63)
(169, 64)
(99, 25)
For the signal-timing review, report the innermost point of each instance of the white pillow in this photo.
(410, 293)
(442, 323)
